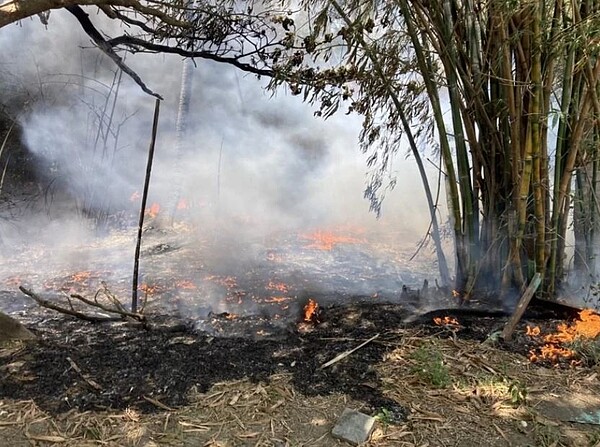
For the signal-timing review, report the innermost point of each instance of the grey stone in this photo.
(353, 426)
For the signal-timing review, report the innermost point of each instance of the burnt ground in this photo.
(130, 364)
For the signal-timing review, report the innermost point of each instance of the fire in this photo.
(228, 282)
(135, 196)
(446, 321)
(153, 210)
(326, 240)
(81, 277)
(148, 289)
(277, 286)
(185, 284)
(587, 326)
(182, 204)
(311, 310)
(277, 299)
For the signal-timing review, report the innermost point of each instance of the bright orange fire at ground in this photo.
(586, 327)
(446, 321)
(326, 240)
(311, 310)
(153, 210)
(277, 286)
(228, 282)
(148, 289)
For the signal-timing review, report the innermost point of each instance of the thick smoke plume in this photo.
(251, 164)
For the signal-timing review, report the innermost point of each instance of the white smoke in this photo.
(252, 162)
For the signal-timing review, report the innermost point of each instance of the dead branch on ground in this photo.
(115, 309)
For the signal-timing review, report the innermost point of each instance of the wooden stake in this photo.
(508, 330)
(136, 261)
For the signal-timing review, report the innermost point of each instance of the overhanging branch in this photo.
(106, 48)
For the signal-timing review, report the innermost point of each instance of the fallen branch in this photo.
(343, 355)
(508, 330)
(119, 314)
(78, 370)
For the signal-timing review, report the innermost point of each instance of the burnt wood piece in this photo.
(511, 324)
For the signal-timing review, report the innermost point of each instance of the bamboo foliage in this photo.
(495, 76)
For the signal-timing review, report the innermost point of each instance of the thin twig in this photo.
(343, 355)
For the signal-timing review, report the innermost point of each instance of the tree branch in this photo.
(106, 48)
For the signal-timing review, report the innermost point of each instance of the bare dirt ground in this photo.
(86, 384)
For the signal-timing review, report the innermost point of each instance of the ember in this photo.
(277, 286)
(185, 284)
(228, 282)
(311, 311)
(326, 240)
(277, 299)
(147, 289)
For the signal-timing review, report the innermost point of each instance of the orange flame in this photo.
(185, 284)
(147, 289)
(586, 327)
(277, 286)
(182, 204)
(81, 276)
(446, 321)
(277, 299)
(228, 282)
(153, 210)
(326, 240)
(135, 196)
(310, 310)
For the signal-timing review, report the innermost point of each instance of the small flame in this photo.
(228, 282)
(135, 196)
(148, 289)
(182, 204)
(277, 299)
(455, 293)
(81, 277)
(153, 210)
(446, 321)
(310, 310)
(277, 286)
(326, 240)
(185, 284)
(533, 331)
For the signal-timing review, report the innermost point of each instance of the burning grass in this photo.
(569, 342)
(327, 240)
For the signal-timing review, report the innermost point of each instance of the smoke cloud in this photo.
(251, 165)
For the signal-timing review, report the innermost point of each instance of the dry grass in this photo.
(490, 398)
